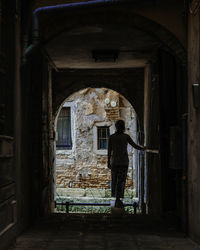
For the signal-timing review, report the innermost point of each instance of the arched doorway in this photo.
(83, 124)
(135, 64)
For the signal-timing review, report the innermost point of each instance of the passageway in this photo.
(102, 232)
(137, 48)
(128, 53)
(84, 123)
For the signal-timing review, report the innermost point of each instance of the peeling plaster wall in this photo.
(84, 165)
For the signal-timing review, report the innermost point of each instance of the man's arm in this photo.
(109, 152)
(133, 144)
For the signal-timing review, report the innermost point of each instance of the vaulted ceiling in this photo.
(70, 36)
(73, 49)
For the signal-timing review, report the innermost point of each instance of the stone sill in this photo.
(90, 192)
(101, 152)
(63, 152)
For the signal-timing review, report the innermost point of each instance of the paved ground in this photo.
(102, 232)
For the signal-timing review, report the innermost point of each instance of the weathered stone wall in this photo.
(85, 166)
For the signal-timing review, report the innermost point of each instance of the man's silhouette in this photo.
(118, 160)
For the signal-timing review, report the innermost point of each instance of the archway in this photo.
(91, 15)
(138, 80)
(83, 124)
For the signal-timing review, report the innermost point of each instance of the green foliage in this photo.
(94, 196)
(88, 209)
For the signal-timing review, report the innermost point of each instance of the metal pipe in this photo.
(69, 7)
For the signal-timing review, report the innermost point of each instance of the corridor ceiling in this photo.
(73, 49)
(70, 33)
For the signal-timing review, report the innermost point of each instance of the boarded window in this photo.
(64, 139)
(102, 137)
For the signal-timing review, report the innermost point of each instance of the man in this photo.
(118, 160)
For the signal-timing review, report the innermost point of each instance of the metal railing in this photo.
(68, 204)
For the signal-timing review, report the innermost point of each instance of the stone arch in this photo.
(84, 85)
(114, 16)
(122, 87)
(106, 84)
(84, 156)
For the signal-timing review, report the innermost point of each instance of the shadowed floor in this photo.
(102, 232)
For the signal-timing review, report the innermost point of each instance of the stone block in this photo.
(71, 192)
(107, 193)
(129, 193)
(59, 185)
(95, 192)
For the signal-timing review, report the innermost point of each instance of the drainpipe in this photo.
(69, 7)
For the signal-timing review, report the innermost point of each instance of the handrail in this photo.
(153, 151)
(67, 204)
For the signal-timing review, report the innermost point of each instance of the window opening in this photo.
(64, 138)
(103, 134)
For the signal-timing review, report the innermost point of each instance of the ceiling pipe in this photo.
(69, 7)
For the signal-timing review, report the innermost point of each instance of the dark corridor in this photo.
(148, 51)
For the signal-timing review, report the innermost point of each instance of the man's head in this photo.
(120, 126)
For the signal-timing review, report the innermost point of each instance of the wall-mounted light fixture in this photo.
(196, 95)
(107, 101)
(113, 104)
(107, 55)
